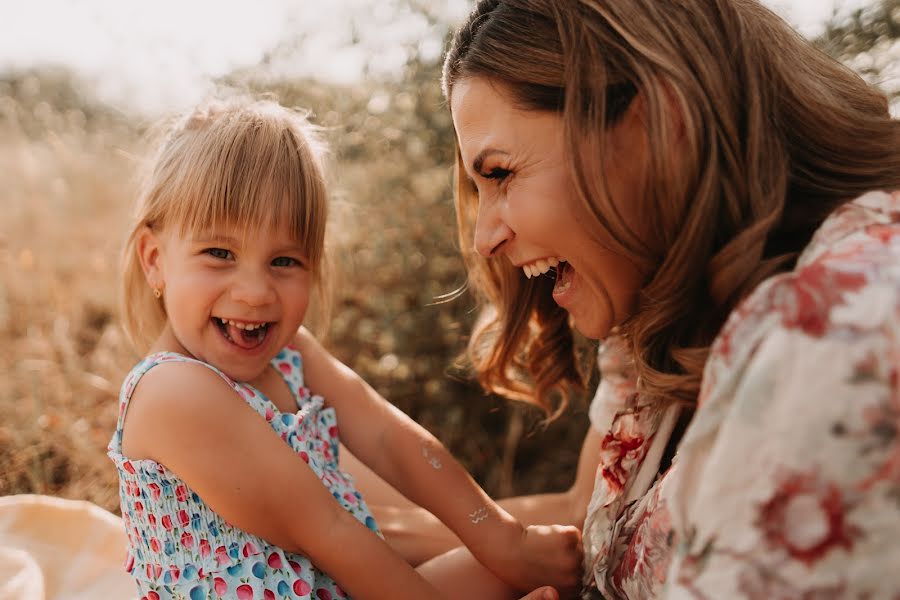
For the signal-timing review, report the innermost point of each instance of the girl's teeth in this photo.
(244, 326)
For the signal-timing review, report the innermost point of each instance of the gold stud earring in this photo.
(156, 293)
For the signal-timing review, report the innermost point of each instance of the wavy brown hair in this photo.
(772, 136)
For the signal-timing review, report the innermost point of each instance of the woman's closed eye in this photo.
(497, 174)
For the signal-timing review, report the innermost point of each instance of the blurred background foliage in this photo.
(67, 165)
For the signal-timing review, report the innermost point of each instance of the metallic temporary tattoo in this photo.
(432, 460)
(479, 515)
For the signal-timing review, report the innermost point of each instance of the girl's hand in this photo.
(543, 555)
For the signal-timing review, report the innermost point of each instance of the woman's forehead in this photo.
(488, 122)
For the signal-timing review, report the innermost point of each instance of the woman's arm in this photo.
(417, 465)
(186, 417)
(417, 535)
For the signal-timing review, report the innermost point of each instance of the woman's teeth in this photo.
(539, 267)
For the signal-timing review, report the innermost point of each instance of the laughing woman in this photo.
(697, 186)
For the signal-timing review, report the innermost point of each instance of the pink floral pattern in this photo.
(787, 482)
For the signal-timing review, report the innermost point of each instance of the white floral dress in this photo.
(786, 484)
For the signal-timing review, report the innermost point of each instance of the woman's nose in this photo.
(491, 231)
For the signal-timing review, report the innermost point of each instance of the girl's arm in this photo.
(186, 417)
(417, 535)
(416, 464)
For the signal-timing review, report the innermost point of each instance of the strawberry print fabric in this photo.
(179, 548)
(787, 481)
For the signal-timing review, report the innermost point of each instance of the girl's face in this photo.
(528, 209)
(233, 298)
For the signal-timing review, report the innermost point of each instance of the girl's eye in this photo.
(219, 253)
(286, 261)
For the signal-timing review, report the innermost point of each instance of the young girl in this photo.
(227, 438)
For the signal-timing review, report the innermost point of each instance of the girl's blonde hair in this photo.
(248, 162)
(773, 136)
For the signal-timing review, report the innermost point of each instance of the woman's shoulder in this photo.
(796, 424)
(845, 286)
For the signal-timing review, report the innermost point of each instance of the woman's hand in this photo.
(543, 555)
(544, 593)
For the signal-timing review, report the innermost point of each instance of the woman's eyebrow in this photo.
(478, 162)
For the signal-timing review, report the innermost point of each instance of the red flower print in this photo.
(339, 591)
(154, 544)
(152, 518)
(128, 467)
(806, 518)
(333, 431)
(129, 563)
(167, 522)
(616, 448)
(220, 586)
(268, 595)
(174, 573)
(301, 588)
(138, 506)
(816, 290)
(323, 594)
(183, 518)
(222, 555)
(270, 414)
(204, 548)
(274, 561)
(155, 491)
(187, 540)
(181, 493)
(244, 592)
(152, 596)
(883, 233)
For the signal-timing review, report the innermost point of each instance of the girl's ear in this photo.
(150, 254)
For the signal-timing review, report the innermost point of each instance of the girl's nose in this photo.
(253, 290)
(491, 231)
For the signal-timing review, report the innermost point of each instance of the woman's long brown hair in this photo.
(771, 135)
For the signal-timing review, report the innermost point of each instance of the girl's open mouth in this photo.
(247, 336)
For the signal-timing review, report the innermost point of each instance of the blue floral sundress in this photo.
(180, 548)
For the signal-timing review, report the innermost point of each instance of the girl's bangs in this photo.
(258, 184)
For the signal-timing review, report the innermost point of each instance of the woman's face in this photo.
(528, 209)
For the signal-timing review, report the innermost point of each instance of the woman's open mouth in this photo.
(243, 334)
(564, 276)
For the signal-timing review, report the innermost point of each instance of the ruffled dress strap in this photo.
(141, 369)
